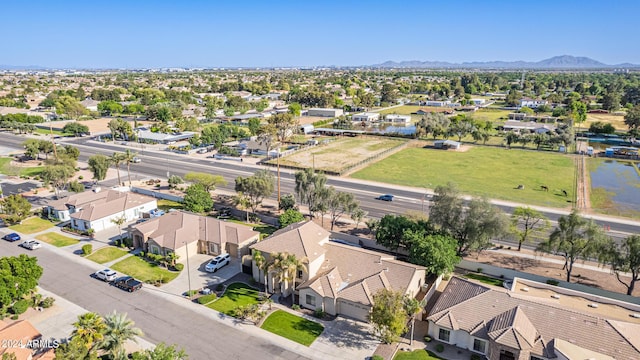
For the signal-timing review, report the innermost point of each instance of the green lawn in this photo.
(32, 225)
(485, 279)
(165, 205)
(142, 270)
(48, 132)
(106, 254)
(416, 355)
(236, 295)
(481, 171)
(293, 327)
(496, 116)
(57, 239)
(264, 229)
(7, 169)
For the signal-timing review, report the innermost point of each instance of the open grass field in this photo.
(293, 327)
(340, 154)
(616, 120)
(496, 116)
(481, 171)
(7, 169)
(107, 254)
(56, 239)
(32, 225)
(236, 295)
(142, 270)
(416, 355)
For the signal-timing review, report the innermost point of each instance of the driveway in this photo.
(199, 277)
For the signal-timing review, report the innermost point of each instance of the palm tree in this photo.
(89, 329)
(292, 265)
(171, 258)
(277, 267)
(118, 222)
(413, 307)
(128, 157)
(261, 264)
(119, 329)
(116, 159)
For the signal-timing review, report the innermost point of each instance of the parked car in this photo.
(31, 245)
(12, 237)
(202, 151)
(107, 275)
(136, 160)
(385, 197)
(140, 221)
(128, 283)
(217, 263)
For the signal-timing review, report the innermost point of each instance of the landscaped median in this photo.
(32, 225)
(293, 327)
(144, 270)
(57, 240)
(107, 254)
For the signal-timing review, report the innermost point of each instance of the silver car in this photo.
(107, 275)
(31, 245)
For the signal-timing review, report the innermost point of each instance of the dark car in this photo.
(128, 283)
(385, 197)
(11, 237)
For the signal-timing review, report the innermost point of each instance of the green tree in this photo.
(70, 106)
(99, 165)
(75, 128)
(574, 238)
(256, 187)
(89, 330)
(161, 352)
(174, 181)
(412, 307)
(528, 223)
(295, 109)
(358, 215)
(118, 222)
(262, 265)
(14, 208)
(287, 201)
(388, 315)
(75, 349)
(109, 107)
(284, 124)
(197, 199)
(389, 93)
(632, 118)
(438, 253)
(118, 330)
(600, 127)
(340, 203)
(254, 126)
(623, 257)
(290, 216)
(578, 112)
(116, 159)
(208, 181)
(390, 231)
(57, 176)
(267, 136)
(20, 276)
(309, 187)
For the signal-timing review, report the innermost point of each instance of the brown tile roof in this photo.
(21, 331)
(113, 203)
(303, 239)
(176, 227)
(499, 309)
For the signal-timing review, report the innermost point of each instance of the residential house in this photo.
(338, 279)
(394, 118)
(478, 102)
(518, 126)
(95, 209)
(163, 138)
(22, 341)
(534, 321)
(183, 233)
(532, 103)
(436, 103)
(324, 112)
(90, 104)
(368, 117)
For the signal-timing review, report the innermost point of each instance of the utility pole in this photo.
(188, 271)
(278, 179)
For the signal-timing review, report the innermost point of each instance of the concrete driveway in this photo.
(199, 277)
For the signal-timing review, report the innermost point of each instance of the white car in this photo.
(107, 275)
(31, 245)
(136, 160)
(217, 263)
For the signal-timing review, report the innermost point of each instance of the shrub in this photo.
(20, 306)
(47, 302)
(479, 270)
(553, 282)
(220, 287)
(179, 267)
(295, 307)
(80, 177)
(14, 317)
(319, 313)
(427, 339)
(439, 348)
(205, 299)
(87, 249)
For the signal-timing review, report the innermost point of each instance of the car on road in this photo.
(136, 160)
(385, 197)
(107, 275)
(127, 283)
(12, 237)
(31, 245)
(217, 263)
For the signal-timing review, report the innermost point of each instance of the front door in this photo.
(507, 355)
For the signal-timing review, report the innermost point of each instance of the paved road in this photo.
(159, 318)
(158, 164)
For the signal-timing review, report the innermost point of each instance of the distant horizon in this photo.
(70, 34)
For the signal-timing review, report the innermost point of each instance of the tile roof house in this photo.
(534, 321)
(95, 209)
(16, 338)
(176, 231)
(338, 279)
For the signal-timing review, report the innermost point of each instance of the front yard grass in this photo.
(264, 229)
(293, 327)
(416, 355)
(57, 240)
(236, 295)
(165, 205)
(107, 254)
(143, 270)
(481, 171)
(32, 225)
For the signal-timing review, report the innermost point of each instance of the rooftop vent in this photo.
(593, 305)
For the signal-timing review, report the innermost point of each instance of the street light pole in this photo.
(188, 271)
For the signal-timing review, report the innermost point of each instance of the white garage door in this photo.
(352, 310)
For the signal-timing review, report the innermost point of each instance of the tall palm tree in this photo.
(119, 329)
(89, 329)
(292, 265)
(413, 307)
(261, 264)
(128, 157)
(116, 159)
(277, 267)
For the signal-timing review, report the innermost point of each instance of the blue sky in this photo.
(215, 33)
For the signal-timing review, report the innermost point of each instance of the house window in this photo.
(299, 274)
(311, 300)
(155, 250)
(535, 358)
(479, 345)
(87, 226)
(444, 335)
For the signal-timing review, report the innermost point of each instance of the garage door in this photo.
(353, 310)
(232, 249)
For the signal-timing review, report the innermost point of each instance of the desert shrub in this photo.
(427, 339)
(439, 348)
(205, 299)
(87, 249)
(179, 267)
(553, 282)
(14, 317)
(19, 307)
(47, 302)
(295, 307)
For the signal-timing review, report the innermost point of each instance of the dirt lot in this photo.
(617, 120)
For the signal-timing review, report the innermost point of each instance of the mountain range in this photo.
(556, 62)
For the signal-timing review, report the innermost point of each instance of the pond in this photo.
(620, 179)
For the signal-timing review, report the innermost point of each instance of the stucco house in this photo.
(338, 279)
(534, 321)
(95, 209)
(366, 117)
(177, 230)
